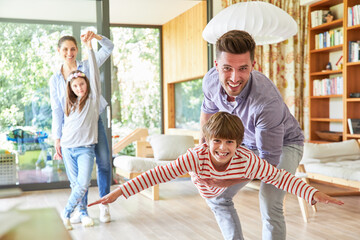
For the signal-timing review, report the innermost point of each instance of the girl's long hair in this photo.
(71, 99)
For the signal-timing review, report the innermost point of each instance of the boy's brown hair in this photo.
(236, 42)
(71, 99)
(224, 125)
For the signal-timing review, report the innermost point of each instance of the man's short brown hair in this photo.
(224, 125)
(236, 42)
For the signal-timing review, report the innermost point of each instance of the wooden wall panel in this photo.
(184, 54)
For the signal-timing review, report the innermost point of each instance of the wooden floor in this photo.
(182, 214)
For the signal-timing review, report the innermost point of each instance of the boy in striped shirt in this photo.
(221, 157)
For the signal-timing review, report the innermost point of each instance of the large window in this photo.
(27, 61)
(136, 87)
(28, 58)
(188, 100)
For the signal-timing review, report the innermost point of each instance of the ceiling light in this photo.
(266, 23)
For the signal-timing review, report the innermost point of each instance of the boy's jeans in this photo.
(271, 203)
(79, 163)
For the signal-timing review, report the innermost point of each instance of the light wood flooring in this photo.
(182, 214)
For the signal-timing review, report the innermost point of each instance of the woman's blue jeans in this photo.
(103, 161)
(79, 162)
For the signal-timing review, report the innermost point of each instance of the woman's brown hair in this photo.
(66, 38)
(71, 98)
(224, 125)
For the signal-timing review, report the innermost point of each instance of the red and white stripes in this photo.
(244, 165)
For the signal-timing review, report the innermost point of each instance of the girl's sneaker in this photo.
(67, 224)
(75, 218)
(87, 221)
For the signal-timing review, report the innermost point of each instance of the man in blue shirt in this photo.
(271, 131)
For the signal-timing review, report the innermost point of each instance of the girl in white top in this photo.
(80, 133)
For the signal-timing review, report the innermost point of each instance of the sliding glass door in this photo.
(28, 58)
(136, 82)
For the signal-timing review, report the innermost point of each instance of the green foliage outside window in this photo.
(135, 84)
(27, 59)
(188, 100)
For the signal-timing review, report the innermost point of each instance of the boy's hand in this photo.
(221, 182)
(322, 197)
(111, 197)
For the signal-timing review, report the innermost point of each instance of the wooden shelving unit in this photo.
(320, 109)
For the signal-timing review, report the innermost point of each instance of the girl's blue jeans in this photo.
(79, 162)
(102, 153)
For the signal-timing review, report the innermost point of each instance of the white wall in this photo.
(148, 12)
(216, 7)
(142, 12)
(55, 10)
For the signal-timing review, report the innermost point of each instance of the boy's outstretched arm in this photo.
(111, 197)
(322, 197)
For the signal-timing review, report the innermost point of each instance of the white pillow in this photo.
(353, 157)
(348, 158)
(331, 150)
(170, 147)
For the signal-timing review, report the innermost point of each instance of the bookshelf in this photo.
(334, 42)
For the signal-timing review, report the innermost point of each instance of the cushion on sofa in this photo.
(136, 164)
(347, 170)
(170, 147)
(330, 152)
(331, 159)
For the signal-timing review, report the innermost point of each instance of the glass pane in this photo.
(188, 100)
(135, 97)
(28, 58)
(27, 63)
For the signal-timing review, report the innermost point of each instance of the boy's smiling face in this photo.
(221, 152)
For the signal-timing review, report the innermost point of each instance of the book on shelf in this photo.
(353, 15)
(328, 86)
(354, 51)
(318, 17)
(354, 125)
(329, 38)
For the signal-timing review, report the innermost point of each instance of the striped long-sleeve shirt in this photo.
(243, 165)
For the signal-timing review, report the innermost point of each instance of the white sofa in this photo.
(336, 163)
(155, 151)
